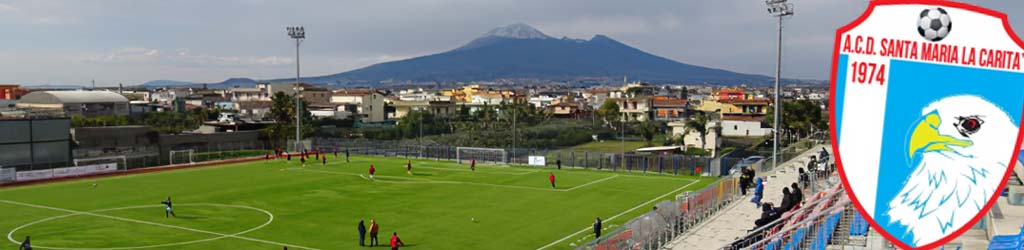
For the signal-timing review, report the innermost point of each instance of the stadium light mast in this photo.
(513, 127)
(780, 9)
(298, 33)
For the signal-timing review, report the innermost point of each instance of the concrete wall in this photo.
(744, 128)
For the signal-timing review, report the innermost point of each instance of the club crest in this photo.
(926, 117)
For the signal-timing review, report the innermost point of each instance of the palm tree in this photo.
(699, 123)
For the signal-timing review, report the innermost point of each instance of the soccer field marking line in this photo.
(270, 219)
(74, 212)
(621, 214)
(468, 170)
(592, 182)
(421, 181)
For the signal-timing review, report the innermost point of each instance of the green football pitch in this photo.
(270, 204)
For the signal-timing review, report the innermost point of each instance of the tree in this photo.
(78, 121)
(699, 123)
(647, 130)
(410, 125)
(800, 116)
(609, 112)
(487, 115)
(169, 122)
(684, 94)
(282, 111)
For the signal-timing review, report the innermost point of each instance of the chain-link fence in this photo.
(629, 162)
(87, 161)
(157, 155)
(797, 148)
(668, 219)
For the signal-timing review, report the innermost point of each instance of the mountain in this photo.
(520, 51)
(233, 83)
(165, 83)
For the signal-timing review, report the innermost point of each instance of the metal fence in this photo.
(99, 160)
(629, 162)
(668, 219)
(151, 156)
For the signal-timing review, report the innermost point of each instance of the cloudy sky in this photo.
(133, 41)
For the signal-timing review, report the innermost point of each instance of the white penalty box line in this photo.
(622, 213)
(155, 224)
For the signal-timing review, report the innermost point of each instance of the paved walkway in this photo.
(734, 221)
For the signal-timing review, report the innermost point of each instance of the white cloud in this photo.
(8, 8)
(127, 55)
(183, 57)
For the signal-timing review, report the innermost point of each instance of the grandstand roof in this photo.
(60, 97)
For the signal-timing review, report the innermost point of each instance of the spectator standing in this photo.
(362, 233)
(804, 178)
(758, 191)
(374, 228)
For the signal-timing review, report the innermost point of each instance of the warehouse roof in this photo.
(72, 96)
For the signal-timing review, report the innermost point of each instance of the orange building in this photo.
(11, 92)
(730, 93)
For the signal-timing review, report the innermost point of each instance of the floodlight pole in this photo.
(780, 9)
(513, 160)
(298, 33)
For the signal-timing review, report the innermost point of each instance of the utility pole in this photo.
(780, 9)
(299, 34)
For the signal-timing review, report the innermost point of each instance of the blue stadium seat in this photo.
(1007, 242)
(859, 226)
(798, 236)
(772, 245)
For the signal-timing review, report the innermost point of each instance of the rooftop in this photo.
(72, 96)
(758, 101)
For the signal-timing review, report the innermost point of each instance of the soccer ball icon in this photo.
(934, 24)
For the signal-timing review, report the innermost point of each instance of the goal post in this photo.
(182, 156)
(493, 155)
(120, 160)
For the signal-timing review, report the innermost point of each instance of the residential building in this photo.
(729, 93)
(745, 106)
(273, 88)
(248, 94)
(254, 110)
(439, 108)
(595, 97)
(11, 92)
(366, 104)
(166, 96)
(742, 125)
(668, 108)
(542, 100)
(86, 103)
(635, 109)
(711, 142)
(315, 96)
(569, 109)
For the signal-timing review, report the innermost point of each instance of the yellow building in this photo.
(467, 94)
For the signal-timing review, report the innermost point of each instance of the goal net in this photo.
(182, 156)
(120, 161)
(492, 155)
